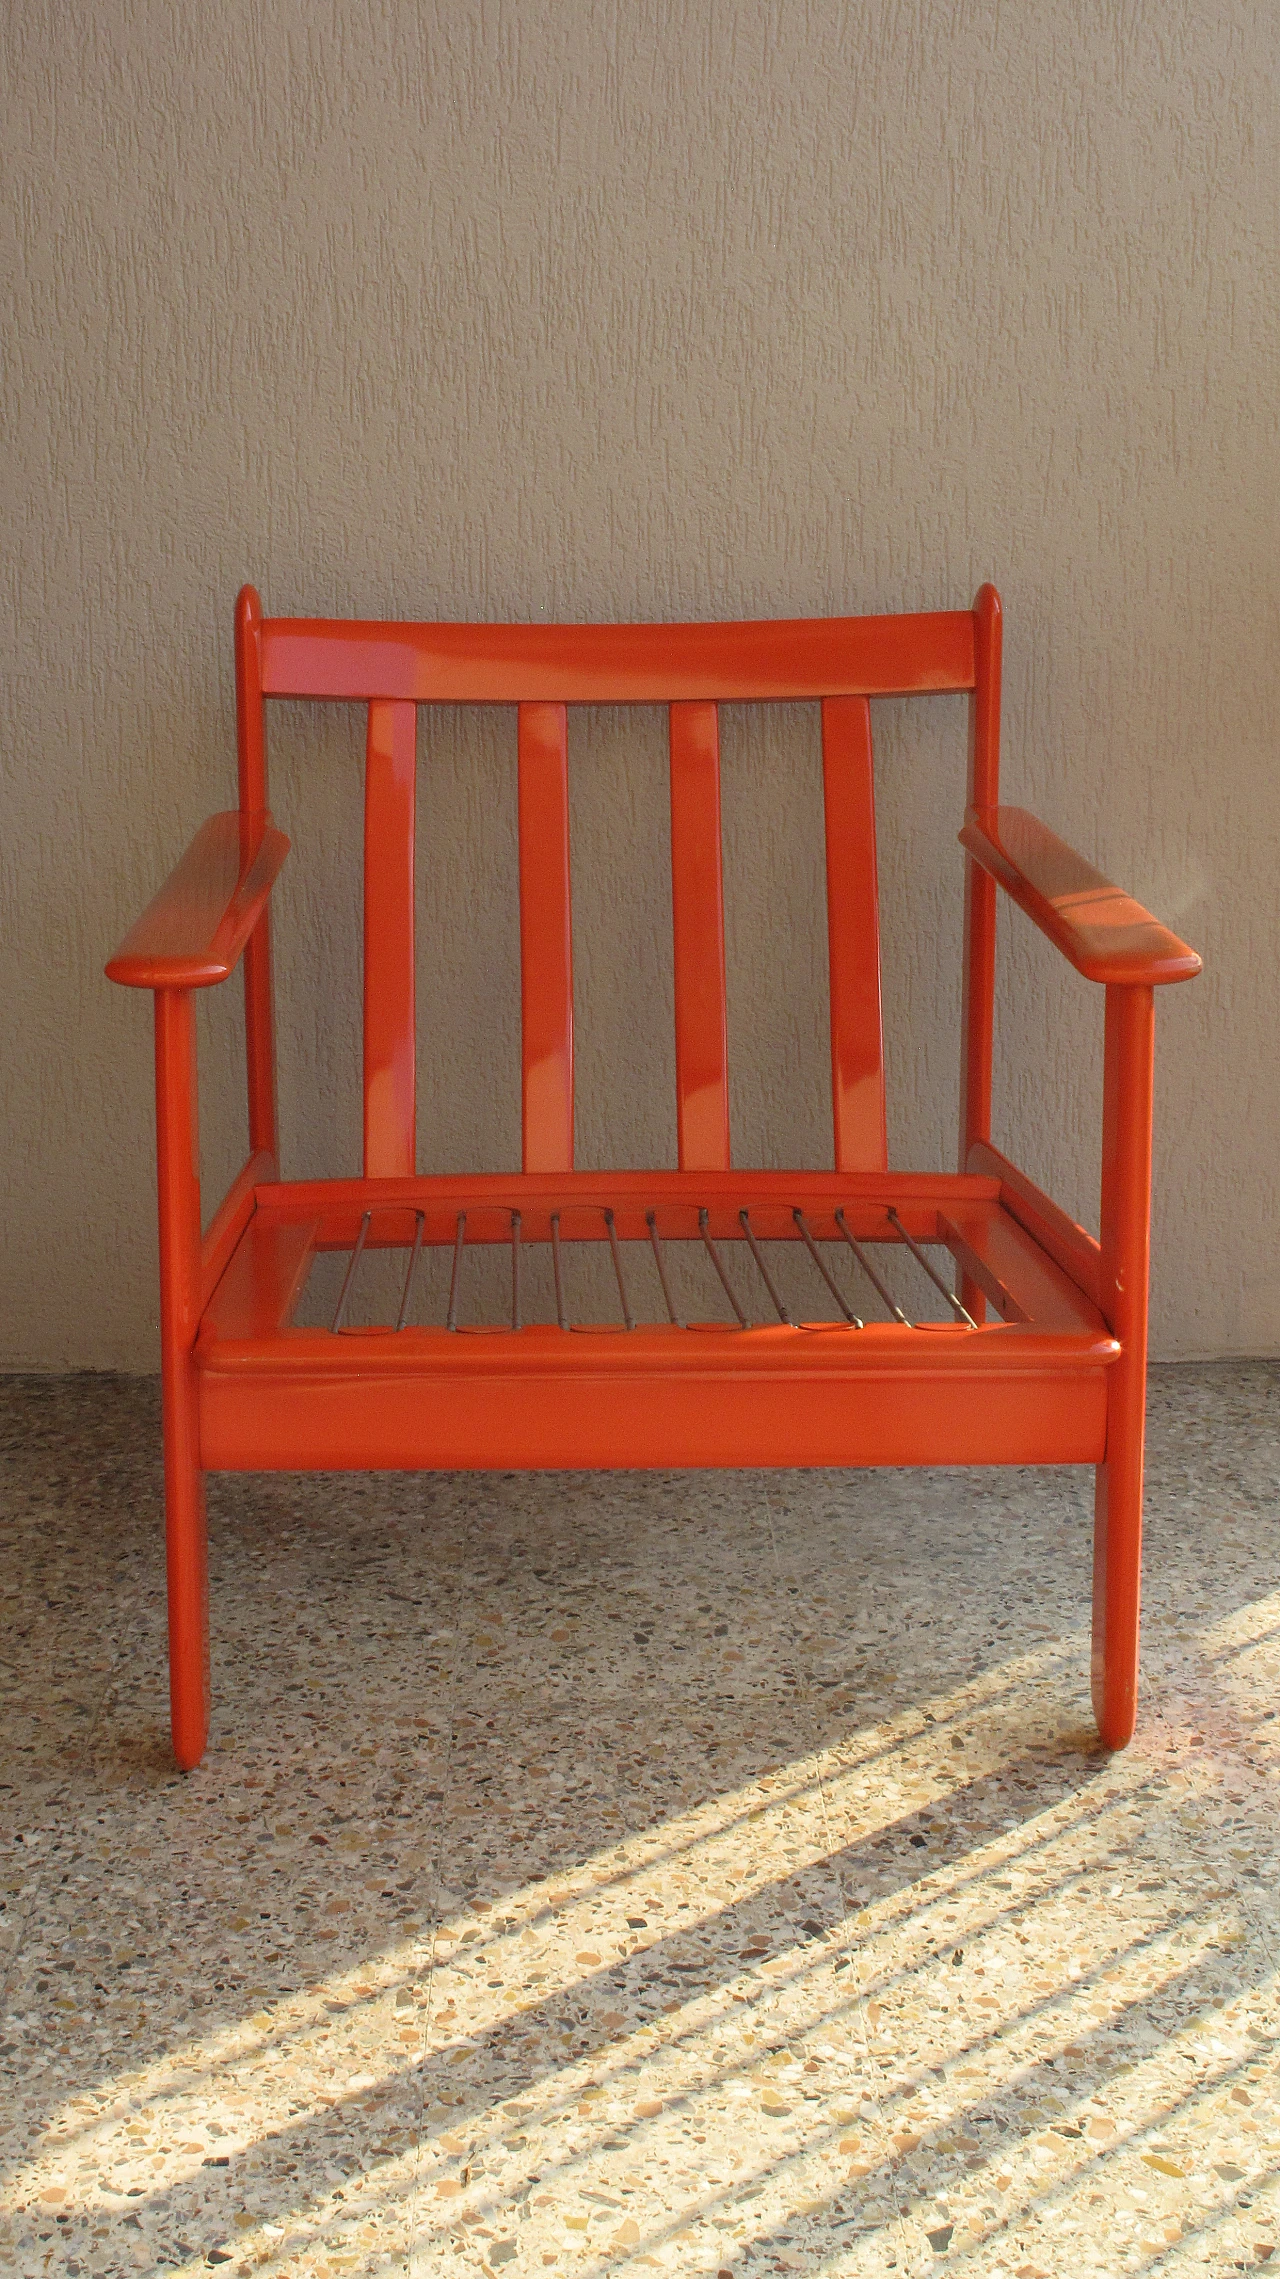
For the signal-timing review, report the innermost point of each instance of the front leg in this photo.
(1126, 1248)
(186, 1544)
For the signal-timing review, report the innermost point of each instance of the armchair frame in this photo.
(1043, 1356)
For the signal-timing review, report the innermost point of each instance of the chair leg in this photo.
(187, 1564)
(1125, 1247)
(1117, 1570)
(178, 1168)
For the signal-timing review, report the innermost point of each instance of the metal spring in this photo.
(617, 1268)
(836, 1292)
(340, 1310)
(455, 1279)
(799, 1220)
(936, 1279)
(871, 1274)
(714, 1255)
(420, 1220)
(744, 1222)
(651, 1221)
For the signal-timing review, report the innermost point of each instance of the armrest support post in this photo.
(1128, 1063)
(1126, 1248)
(178, 1182)
(178, 1167)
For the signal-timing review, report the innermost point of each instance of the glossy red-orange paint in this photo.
(1056, 1371)
(259, 991)
(193, 932)
(1070, 1246)
(697, 912)
(186, 1546)
(619, 664)
(1128, 1062)
(1104, 933)
(546, 939)
(230, 1220)
(977, 1031)
(853, 936)
(390, 1045)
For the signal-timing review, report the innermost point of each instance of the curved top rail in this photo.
(798, 658)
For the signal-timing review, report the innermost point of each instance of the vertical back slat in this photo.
(389, 1047)
(697, 908)
(546, 939)
(853, 930)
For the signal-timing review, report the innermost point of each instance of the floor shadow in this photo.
(354, 1591)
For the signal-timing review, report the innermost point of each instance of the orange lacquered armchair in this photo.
(821, 1352)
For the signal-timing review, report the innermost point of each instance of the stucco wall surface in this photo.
(657, 310)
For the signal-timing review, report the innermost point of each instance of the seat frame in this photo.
(1042, 1356)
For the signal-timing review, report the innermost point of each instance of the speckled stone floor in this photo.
(709, 1874)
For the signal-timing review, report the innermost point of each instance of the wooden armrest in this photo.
(194, 931)
(1106, 936)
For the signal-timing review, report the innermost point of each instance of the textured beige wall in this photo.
(649, 310)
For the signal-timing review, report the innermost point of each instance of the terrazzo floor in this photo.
(708, 1874)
